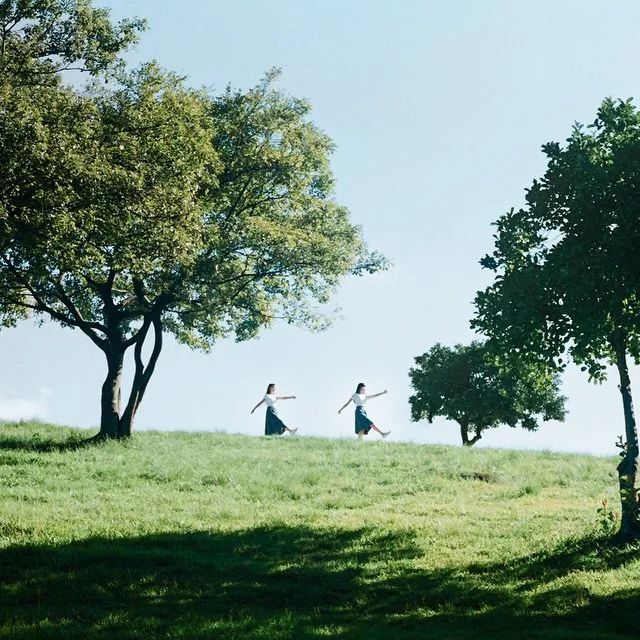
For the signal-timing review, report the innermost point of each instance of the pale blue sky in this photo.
(438, 111)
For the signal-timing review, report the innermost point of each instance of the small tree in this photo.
(567, 269)
(467, 385)
(140, 207)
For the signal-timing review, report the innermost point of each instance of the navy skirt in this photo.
(363, 422)
(273, 426)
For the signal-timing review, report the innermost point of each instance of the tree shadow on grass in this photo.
(299, 583)
(34, 442)
(573, 554)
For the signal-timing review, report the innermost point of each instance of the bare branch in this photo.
(73, 320)
(86, 327)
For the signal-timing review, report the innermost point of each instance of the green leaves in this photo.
(139, 202)
(40, 38)
(276, 243)
(141, 196)
(566, 265)
(469, 385)
(576, 249)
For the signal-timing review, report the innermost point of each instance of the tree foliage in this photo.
(141, 206)
(41, 38)
(567, 282)
(468, 385)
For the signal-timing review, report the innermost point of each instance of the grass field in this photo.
(175, 535)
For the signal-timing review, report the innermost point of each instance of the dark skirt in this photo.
(363, 422)
(273, 426)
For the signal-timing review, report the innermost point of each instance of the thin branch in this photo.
(42, 306)
(74, 321)
(153, 358)
(138, 288)
(156, 308)
(86, 327)
(143, 374)
(75, 312)
(135, 337)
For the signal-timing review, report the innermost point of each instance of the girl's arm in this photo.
(259, 403)
(377, 395)
(286, 397)
(346, 404)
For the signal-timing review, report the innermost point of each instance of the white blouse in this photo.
(359, 399)
(270, 400)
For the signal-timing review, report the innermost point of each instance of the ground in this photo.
(176, 535)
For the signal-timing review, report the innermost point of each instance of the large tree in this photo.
(140, 206)
(468, 385)
(567, 272)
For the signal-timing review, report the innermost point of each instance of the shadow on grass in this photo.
(298, 583)
(33, 442)
(585, 554)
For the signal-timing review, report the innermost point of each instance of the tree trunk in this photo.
(628, 467)
(464, 434)
(112, 424)
(111, 394)
(141, 376)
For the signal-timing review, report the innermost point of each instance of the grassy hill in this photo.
(174, 535)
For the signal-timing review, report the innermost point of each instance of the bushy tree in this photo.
(39, 39)
(467, 384)
(567, 280)
(139, 206)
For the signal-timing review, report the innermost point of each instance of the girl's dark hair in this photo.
(270, 387)
(360, 385)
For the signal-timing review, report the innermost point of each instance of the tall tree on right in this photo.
(567, 282)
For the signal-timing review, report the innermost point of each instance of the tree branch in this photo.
(142, 374)
(86, 327)
(42, 306)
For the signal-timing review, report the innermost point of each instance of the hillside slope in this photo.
(175, 535)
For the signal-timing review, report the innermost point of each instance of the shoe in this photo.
(293, 431)
(385, 434)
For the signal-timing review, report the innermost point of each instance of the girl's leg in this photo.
(360, 435)
(284, 428)
(384, 434)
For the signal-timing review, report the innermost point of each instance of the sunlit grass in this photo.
(179, 535)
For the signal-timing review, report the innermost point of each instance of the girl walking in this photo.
(363, 422)
(272, 424)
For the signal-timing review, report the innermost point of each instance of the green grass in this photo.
(175, 535)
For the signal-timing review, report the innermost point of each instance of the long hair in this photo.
(360, 386)
(270, 387)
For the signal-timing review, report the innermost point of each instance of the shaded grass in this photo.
(201, 536)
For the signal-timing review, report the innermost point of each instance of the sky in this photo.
(438, 111)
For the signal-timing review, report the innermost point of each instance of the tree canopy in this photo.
(138, 205)
(567, 282)
(468, 385)
(39, 39)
